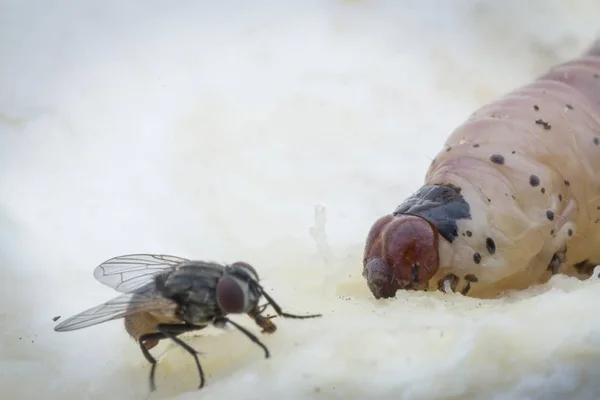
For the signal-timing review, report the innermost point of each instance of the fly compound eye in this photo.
(230, 296)
(246, 266)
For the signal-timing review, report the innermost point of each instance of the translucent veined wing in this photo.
(119, 307)
(130, 272)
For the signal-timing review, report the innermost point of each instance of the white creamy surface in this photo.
(275, 132)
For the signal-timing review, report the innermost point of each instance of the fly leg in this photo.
(261, 309)
(223, 321)
(156, 336)
(170, 331)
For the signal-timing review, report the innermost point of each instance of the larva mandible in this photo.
(512, 198)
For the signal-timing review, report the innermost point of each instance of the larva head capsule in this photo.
(401, 252)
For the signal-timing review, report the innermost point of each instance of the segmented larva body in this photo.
(513, 197)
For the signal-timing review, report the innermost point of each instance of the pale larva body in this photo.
(514, 191)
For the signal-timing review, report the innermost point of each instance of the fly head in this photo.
(237, 290)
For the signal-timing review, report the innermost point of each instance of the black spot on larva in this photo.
(543, 190)
(441, 205)
(596, 76)
(543, 123)
(597, 207)
(596, 141)
(570, 232)
(476, 145)
(552, 231)
(550, 215)
(489, 200)
(477, 258)
(514, 198)
(513, 152)
(534, 180)
(570, 107)
(471, 278)
(497, 159)
(469, 233)
(433, 161)
(567, 183)
(536, 107)
(491, 245)
(560, 197)
(449, 148)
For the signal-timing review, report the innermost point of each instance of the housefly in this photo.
(164, 296)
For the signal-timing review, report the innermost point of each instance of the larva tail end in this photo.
(401, 253)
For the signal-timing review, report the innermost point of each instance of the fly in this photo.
(164, 296)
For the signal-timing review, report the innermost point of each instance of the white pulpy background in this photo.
(275, 132)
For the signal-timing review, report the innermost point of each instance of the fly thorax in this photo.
(199, 313)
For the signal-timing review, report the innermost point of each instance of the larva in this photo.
(512, 198)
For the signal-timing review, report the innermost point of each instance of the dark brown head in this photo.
(401, 252)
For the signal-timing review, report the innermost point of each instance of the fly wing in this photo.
(119, 307)
(130, 272)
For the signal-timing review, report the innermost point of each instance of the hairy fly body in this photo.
(165, 296)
